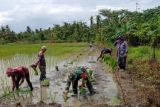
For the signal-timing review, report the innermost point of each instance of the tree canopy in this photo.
(139, 28)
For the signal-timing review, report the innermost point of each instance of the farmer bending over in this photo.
(105, 51)
(18, 75)
(79, 73)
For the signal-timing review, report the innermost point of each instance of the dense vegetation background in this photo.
(140, 28)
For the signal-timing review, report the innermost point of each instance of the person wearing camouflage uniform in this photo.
(79, 73)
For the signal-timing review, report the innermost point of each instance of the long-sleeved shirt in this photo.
(18, 72)
(42, 61)
(122, 48)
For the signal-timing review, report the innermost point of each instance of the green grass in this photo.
(110, 61)
(139, 53)
(142, 53)
(53, 49)
(115, 101)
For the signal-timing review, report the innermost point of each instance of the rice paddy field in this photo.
(12, 55)
(60, 50)
(65, 55)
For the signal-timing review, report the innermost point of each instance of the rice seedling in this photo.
(57, 49)
(45, 82)
(26, 54)
(110, 61)
(65, 96)
(53, 97)
(115, 101)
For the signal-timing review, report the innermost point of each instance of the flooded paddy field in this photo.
(104, 85)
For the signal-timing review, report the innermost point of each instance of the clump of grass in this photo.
(83, 90)
(110, 61)
(65, 96)
(71, 62)
(53, 97)
(115, 101)
(142, 52)
(45, 82)
(5, 88)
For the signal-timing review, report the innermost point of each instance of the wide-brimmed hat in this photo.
(44, 47)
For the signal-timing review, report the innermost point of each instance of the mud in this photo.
(105, 86)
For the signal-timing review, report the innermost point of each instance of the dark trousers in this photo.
(19, 77)
(75, 86)
(43, 72)
(122, 62)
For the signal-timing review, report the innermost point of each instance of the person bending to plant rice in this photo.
(73, 78)
(41, 63)
(18, 74)
(105, 51)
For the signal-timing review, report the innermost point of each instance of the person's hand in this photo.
(34, 65)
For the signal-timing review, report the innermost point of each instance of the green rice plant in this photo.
(6, 89)
(115, 101)
(71, 62)
(53, 97)
(53, 49)
(110, 61)
(141, 52)
(45, 82)
(83, 90)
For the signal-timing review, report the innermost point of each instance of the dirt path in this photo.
(131, 95)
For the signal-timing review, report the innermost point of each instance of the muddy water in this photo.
(19, 60)
(105, 87)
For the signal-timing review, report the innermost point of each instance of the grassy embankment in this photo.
(135, 54)
(59, 50)
(144, 73)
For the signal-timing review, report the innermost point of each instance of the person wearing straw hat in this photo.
(41, 63)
